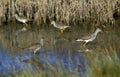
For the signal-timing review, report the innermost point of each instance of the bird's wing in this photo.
(62, 25)
(86, 37)
(31, 47)
(24, 18)
(66, 26)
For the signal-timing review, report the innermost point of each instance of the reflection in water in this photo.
(7, 63)
(34, 47)
(20, 31)
(10, 63)
(35, 62)
(58, 50)
(53, 53)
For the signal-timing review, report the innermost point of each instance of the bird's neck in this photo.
(54, 24)
(17, 17)
(96, 32)
(41, 42)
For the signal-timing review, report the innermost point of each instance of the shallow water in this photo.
(59, 50)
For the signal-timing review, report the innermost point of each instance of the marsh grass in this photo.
(46, 74)
(68, 11)
(102, 61)
(104, 64)
(97, 64)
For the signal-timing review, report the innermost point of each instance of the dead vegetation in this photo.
(67, 11)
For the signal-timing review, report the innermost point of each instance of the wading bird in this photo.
(35, 47)
(22, 19)
(62, 27)
(90, 37)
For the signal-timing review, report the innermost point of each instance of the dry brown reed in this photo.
(67, 11)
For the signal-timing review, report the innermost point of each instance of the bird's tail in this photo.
(79, 40)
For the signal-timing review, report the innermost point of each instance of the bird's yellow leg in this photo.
(26, 24)
(61, 30)
(84, 44)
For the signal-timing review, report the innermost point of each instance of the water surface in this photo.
(59, 50)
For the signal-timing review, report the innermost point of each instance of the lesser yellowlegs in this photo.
(62, 27)
(35, 47)
(90, 37)
(22, 19)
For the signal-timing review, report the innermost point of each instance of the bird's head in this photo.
(53, 22)
(15, 15)
(98, 30)
(42, 41)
